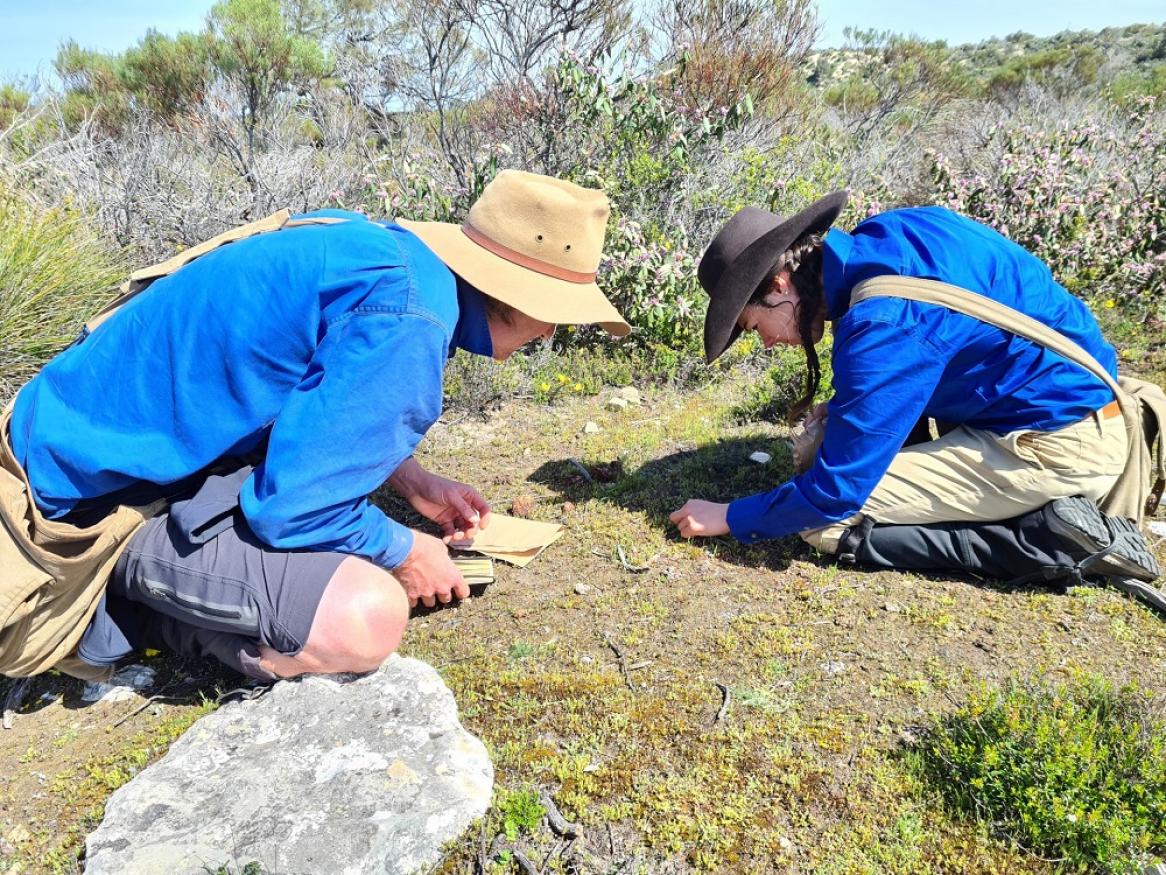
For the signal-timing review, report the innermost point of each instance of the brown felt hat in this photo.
(533, 242)
(743, 254)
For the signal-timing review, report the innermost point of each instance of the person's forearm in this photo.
(406, 479)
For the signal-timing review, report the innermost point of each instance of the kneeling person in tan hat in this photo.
(264, 390)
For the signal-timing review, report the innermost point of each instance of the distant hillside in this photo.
(1090, 58)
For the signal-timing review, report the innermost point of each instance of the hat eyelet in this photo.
(567, 248)
(539, 238)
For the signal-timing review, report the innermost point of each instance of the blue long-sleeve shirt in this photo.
(896, 360)
(325, 342)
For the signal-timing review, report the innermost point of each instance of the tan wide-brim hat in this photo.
(533, 242)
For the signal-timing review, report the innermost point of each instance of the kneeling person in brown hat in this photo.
(262, 392)
(935, 317)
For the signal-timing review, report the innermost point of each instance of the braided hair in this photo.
(804, 259)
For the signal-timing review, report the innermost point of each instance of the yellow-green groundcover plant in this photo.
(1075, 773)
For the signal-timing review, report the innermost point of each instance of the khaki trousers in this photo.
(971, 475)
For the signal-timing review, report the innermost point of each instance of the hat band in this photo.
(522, 260)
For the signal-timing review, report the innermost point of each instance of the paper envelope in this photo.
(513, 540)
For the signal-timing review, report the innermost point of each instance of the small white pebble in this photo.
(892, 608)
(591, 428)
(760, 458)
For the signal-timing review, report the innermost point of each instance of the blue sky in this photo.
(967, 22)
(31, 30)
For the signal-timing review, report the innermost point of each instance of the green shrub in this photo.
(1076, 773)
(521, 811)
(771, 395)
(55, 272)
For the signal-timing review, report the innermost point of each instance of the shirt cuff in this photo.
(745, 518)
(400, 543)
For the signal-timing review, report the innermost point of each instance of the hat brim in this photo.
(740, 279)
(539, 296)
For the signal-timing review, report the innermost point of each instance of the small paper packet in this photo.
(511, 539)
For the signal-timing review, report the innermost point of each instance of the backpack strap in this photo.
(1153, 401)
(141, 279)
(1009, 319)
(986, 310)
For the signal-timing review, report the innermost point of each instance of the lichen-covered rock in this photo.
(372, 775)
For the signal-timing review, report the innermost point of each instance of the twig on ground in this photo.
(566, 849)
(175, 693)
(485, 856)
(636, 666)
(245, 693)
(547, 859)
(481, 857)
(726, 698)
(582, 470)
(623, 663)
(524, 863)
(610, 841)
(449, 423)
(15, 699)
(558, 824)
(159, 697)
(623, 560)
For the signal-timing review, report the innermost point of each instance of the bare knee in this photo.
(359, 622)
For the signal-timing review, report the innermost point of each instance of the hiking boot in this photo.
(1147, 593)
(1059, 544)
(1115, 546)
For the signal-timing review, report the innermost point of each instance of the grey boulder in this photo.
(368, 775)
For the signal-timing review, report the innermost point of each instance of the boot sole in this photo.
(1080, 520)
(1143, 592)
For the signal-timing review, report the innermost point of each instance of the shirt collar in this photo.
(472, 332)
(835, 252)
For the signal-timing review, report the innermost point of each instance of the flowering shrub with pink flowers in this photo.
(1088, 197)
(653, 282)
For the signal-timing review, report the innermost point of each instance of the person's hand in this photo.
(701, 519)
(428, 574)
(458, 508)
(807, 438)
(819, 414)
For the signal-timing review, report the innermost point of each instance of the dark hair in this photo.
(804, 259)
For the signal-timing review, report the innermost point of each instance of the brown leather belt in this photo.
(1110, 410)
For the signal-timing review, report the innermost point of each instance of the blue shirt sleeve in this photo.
(884, 374)
(371, 392)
